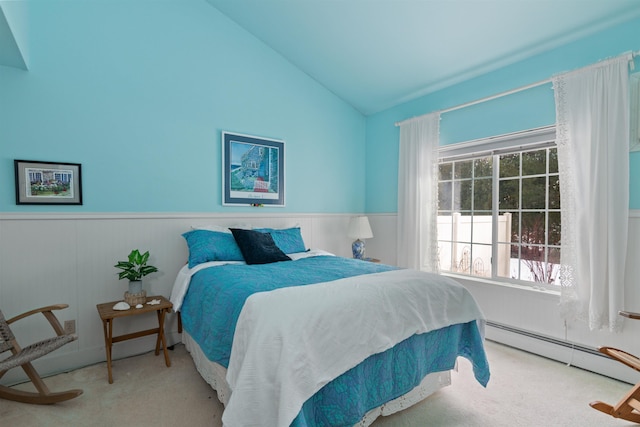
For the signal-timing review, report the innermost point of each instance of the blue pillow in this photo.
(205, 246)
(257, 247)
(289, 240)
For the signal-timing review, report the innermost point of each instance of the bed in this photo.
(308, 339)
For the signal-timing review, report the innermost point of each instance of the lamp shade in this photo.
(359, 228)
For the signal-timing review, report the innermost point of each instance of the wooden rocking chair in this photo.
(24, 356)
(628, 408)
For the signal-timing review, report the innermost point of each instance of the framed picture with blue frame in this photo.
(252, 170)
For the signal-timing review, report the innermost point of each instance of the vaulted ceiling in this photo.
(10, 53)
(375, 54)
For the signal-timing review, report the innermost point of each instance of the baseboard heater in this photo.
(547, 339)
(571, 354)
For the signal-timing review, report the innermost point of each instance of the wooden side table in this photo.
(108, 314)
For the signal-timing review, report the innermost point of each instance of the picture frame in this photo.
(252, 170)
(48, 183)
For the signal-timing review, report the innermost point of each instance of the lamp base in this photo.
(357, 248)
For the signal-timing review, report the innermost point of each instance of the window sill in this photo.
(478, 280)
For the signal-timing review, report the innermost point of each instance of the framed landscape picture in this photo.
(253, 170)
(48, 183)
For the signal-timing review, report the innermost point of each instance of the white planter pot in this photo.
(135, 286)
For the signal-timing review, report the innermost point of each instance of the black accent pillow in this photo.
(257, 247)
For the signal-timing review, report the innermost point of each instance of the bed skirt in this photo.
(214, 374)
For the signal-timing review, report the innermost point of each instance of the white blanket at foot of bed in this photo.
(290, 342)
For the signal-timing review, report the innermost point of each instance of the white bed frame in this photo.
(214, 374)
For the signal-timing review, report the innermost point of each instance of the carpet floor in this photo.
(524, 390)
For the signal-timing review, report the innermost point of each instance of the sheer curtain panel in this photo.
(592, 128)
(634, 118)
(418, 193)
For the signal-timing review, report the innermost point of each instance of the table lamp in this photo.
(359, 228)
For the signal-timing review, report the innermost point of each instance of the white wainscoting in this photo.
(69, 258)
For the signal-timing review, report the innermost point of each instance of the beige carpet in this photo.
(525, 390)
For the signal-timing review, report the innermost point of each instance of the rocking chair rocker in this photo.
(24, 356)
(628, 408)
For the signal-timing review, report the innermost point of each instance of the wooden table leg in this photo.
(161, 337)
(158, 340)
(107, 326)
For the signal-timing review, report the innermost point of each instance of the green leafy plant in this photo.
(136, 267)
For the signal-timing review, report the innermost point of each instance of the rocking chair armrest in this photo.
(47, 312)
(629, 314)
(621, 356)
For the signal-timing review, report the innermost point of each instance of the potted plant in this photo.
(135, 269)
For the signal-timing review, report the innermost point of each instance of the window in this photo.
(499, 209)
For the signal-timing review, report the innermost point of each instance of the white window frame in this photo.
(538, 138)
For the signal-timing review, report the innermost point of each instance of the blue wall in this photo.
(139, 92)
(524, 110)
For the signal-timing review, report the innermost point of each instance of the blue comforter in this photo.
(216, 295)
(215, 298)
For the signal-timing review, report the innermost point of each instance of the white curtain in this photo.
(418, 193)
(592, 131)
(634, 102)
